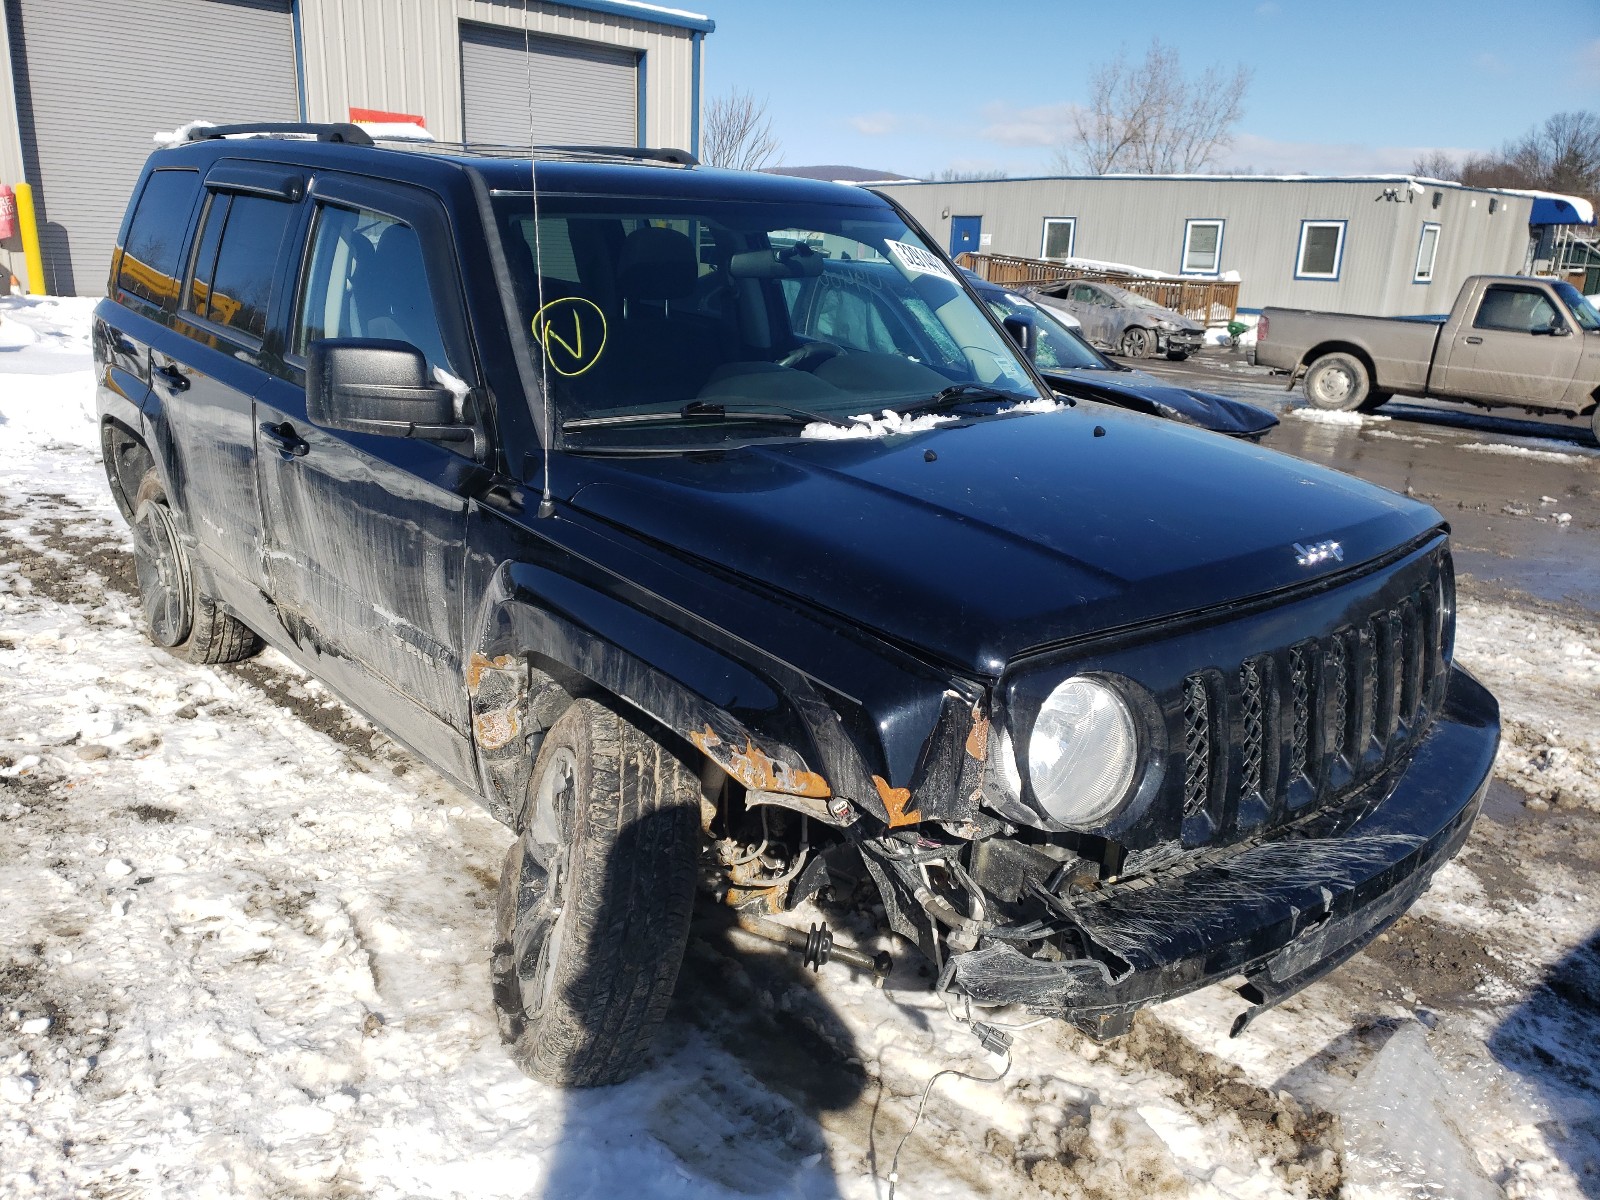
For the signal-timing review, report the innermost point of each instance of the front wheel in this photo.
(1337, 383)
(1135, 343)
(595, 899)
(1376, 400)
(178, 615)
(1594, 422)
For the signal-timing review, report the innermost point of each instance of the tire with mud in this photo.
(595, 901)
(1375, 401)
(1594, 422)
(1337, 383)
(178, 615)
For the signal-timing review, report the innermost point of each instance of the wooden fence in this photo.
(1211, 301)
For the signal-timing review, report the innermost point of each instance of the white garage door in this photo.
(579, 92)
(95, 80)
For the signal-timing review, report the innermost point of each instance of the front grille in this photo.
(1310, 721)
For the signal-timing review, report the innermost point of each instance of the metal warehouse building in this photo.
(84, 84)
(1388, 245)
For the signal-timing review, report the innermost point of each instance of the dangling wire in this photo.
(546, 504)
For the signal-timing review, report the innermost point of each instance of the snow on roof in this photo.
(1582, 211)
(839, 173)
(672, 16)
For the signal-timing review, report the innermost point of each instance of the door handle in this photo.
(173, 378)
(286, 439)
(1474, 341)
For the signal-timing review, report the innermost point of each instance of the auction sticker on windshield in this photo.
(919, 261)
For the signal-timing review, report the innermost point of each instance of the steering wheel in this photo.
(810, 356)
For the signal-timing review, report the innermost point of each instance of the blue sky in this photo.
(1337, 88)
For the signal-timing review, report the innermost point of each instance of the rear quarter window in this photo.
(238, 289)
(148, 264)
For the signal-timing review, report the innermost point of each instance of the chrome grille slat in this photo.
(1253, 713)
(1196, 746)
(1300, 700)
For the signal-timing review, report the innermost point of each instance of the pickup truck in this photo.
(1509, 340)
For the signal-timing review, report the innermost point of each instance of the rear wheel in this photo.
(178, 615)
(595, 899)
(1135, 343)
(1337, 383)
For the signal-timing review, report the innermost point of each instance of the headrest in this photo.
(657, 264)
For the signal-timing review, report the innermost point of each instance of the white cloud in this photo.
(1269, 9)
(1273, 157)
(1042, 125)
(876, 124)
(1490, 64)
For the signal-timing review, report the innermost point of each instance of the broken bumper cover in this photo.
(1281, 912)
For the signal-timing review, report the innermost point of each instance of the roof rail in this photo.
(330, 132)
(666, 154)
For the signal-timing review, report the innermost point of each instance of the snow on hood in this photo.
(868, 426)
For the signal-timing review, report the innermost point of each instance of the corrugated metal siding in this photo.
(93, 85)
(516, 87)
(10, 150)
(1141, 222)
(405, 56)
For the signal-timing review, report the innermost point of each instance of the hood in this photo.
(1014, 533)
(1146, 393)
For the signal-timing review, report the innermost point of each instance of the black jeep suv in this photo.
(532, 461)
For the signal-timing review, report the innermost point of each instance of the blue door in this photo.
(964, 233)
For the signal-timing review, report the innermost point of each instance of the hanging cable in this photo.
(894, 1163)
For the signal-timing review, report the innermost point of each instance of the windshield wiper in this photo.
(962, 393)
(702, 410)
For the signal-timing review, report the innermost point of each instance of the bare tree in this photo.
(737, 133)
(1148, 118)
(960, 175)
(1561, 155)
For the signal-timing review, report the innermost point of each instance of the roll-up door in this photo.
(95, 80)
(580, 92)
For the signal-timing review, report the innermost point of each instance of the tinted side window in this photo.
(366, 279)
(1519, 310)
(148, 266)
(247, 259)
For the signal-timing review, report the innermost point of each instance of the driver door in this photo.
(1509, 352)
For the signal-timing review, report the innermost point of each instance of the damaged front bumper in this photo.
(1282, 912)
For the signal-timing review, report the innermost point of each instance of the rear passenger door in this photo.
(206, 375)
(366, 535)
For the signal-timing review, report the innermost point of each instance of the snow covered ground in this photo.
(245, 940)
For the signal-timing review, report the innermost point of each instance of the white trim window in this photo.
(1427, 253)
(1060, 234)
(1321, 252)
(1202, 246)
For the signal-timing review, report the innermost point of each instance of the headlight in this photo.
(1082, 754)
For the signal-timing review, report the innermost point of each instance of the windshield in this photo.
(1056, 348)
(684, 306)
(1582, 311)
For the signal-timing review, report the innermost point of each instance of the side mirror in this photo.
(369, 385)
(1021, 329)
(1554, 329)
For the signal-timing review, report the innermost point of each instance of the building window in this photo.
(1427, 251)
(1202, 247)
(1321, 250)
(1059, 234)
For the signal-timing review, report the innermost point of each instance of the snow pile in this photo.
(1537, 451)
(1400, 1135)
(1545, 670)
(396, 131)
(1039, 405)
(167, 139)
(868, 426)
(1318, 416)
